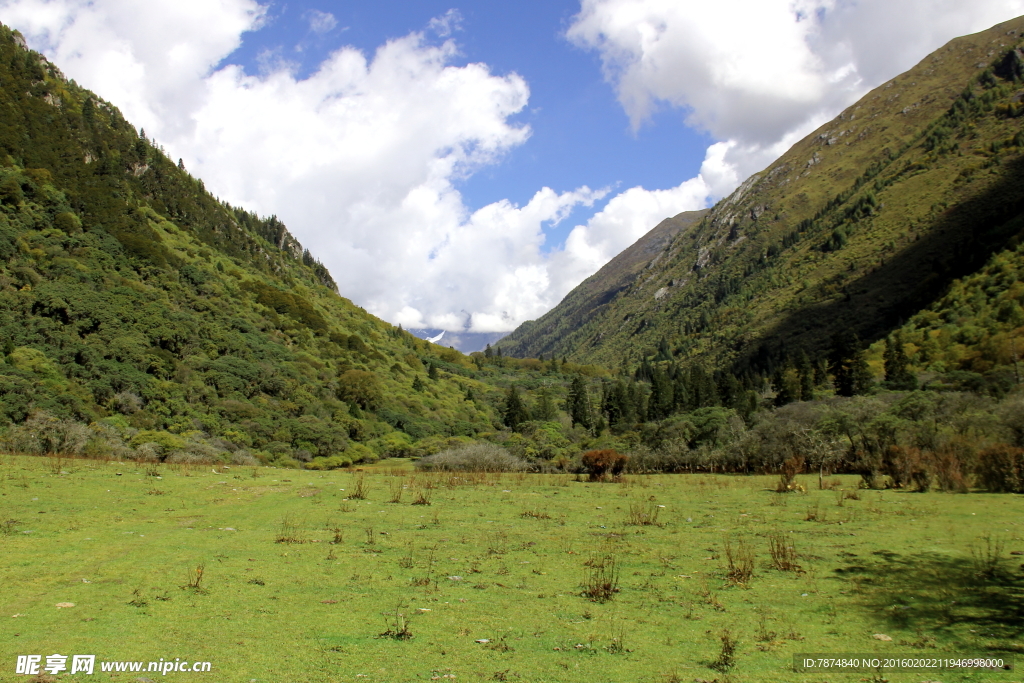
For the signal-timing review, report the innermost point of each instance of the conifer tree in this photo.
(578, 403)
(730, 390)
(806, 373)
(786, 383)
(513, 412)
(863, 380)
(660, 402)
(664, 352)
(545, 409)
(703, 392)
(897, 366)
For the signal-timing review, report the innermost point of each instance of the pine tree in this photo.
(417, 384)
(660, 402)
(432, 371)
(545, 410)
(843, 349)
(487, 351)
(620, 403)
(514, 413)
(681, 398)
(863, 380)
(577, 403)
(897, 366)
(703, 392)
(644, 372)
(805, 371)
(664, 352)
(786, 383)
(729, 390)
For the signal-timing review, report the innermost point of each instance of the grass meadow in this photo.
(388, 574)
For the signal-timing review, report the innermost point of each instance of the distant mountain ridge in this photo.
(857, 227)
(545, 336)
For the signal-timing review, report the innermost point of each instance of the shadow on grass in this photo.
(943, 596)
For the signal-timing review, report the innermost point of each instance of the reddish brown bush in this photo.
(787, 476)
(1001, 468)
(599, 463)
(949, 465)
(908, 466)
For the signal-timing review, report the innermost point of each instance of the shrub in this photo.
(396, 445)
(669, 457)
(601, 578)
(790, 468)
(361, 388)
(147, 452)
(330, 463)
(195, 453)
(783, 552)
(357, 452)
(599, 463)
(242, 457)
(907, 466)
(740, 560)
(44, 434)
(477, 457)
(949, 467)
(127, 402)
(165, 440)
(1001, 469)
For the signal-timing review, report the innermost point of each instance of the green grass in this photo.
(123, 541)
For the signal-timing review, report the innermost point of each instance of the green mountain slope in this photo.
(555, 330)
(856, 228)
(133, 301)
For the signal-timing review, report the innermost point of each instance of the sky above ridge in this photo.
(461, 166)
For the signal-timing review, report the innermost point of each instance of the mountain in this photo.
(864, 223)
(555, 330)
(175, 325)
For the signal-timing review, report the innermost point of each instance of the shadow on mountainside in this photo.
(959, 242)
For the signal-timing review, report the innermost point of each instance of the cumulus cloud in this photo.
(760, 74)
(145, 57)
(360, 159)
(624, 219)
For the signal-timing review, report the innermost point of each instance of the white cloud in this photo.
(320, 22)
(145, 57)
(760, 74)
(446, 24)
(626, 218)
(359, 159)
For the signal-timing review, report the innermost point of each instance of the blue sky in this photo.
(461, 166)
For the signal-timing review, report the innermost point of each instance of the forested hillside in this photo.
(868, 221)
(177, 326)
